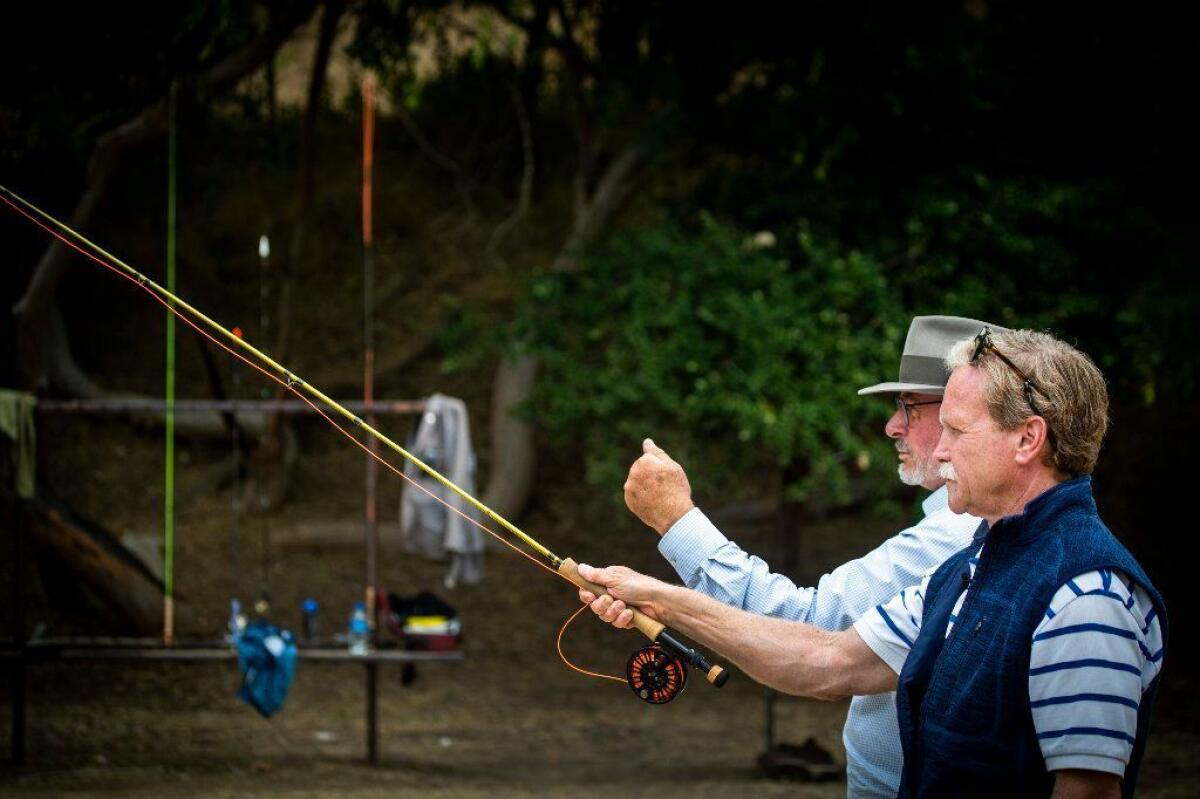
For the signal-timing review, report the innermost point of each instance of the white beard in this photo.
(918, 471)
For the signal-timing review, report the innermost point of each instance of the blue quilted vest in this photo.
(963, 700)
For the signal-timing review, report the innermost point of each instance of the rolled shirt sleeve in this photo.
(890, 629)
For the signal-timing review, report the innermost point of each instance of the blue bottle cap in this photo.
(359, 606)
(309, 605)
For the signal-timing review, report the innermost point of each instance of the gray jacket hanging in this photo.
(443, 440)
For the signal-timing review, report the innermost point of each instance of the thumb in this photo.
(593, 575)
(650, 448)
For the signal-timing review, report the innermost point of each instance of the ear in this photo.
(1033, 443)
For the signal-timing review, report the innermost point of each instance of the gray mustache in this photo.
(946, 472)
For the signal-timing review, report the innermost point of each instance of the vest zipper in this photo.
(967, 596)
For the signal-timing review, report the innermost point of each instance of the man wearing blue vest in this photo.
(658, 492)
(1025, 665)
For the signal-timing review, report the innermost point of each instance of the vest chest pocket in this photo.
(985, 626)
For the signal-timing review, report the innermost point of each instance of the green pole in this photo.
(169, 488)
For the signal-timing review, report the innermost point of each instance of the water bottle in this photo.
(359, 632)
(237, 622)
(308, 609)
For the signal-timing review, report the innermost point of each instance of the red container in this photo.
(431, 642)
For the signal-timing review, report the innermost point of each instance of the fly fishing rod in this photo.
(657, 673)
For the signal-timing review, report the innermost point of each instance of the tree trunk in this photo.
(794, 548)
(513, 455)
(514, 458)
(306, 189)
(84, 562)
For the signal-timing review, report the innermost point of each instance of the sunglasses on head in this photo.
(983, 343)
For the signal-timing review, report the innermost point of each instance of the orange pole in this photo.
(372, 476)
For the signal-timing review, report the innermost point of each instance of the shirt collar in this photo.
(936, 501)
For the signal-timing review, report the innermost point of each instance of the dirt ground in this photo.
(510, 720)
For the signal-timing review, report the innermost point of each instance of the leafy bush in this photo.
(734, 352)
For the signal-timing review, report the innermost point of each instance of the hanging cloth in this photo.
(442, 439)
(16, 424)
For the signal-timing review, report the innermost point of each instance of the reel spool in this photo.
(656, 675)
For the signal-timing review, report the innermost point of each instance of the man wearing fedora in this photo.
(657, 491)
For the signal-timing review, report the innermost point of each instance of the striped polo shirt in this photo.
(1096, 649)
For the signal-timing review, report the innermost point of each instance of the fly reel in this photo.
(655, 674)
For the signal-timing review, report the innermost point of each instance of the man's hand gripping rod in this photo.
(654, 630)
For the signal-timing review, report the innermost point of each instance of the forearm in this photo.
(791, 657)
(1080, 784)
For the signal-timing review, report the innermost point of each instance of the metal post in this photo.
(769, 707)
(372, 713)
(168, 632)
(18, 711)
(264, 324)
(18, 674)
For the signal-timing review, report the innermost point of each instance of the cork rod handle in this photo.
(648, 626)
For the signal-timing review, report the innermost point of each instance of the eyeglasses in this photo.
(906, 408)
(983, 342)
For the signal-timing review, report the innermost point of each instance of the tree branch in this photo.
(334, 9)
(31, 311)
(437, 156)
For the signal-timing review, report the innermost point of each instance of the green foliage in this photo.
(1076, 258)
(466, 337)
(731, 351)
(998, 250)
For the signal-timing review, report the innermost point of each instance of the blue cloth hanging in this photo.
(267, 658)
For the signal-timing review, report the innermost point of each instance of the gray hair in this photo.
(1073, 399)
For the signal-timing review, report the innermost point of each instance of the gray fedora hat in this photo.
(923, 363)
